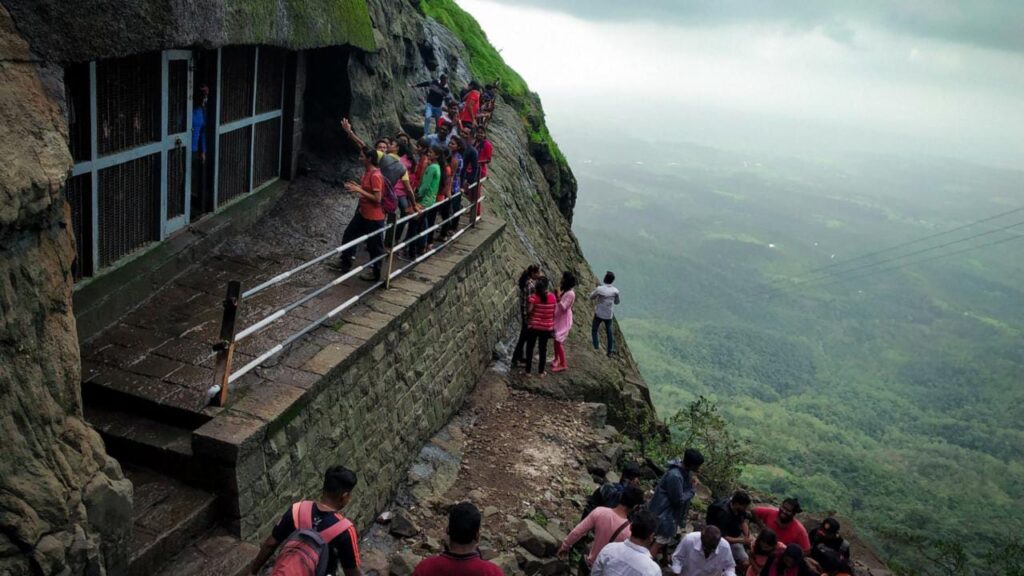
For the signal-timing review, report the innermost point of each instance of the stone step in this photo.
(215, 553)
(167, 517)
(139, 440)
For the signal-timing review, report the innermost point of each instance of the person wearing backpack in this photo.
(608, 494)
(608, 525)
(314, 537)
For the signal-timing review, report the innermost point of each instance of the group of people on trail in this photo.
(546, 314)
(630, 537)
(424, 179)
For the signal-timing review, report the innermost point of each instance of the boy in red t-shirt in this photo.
(462, 556)
(783, 522)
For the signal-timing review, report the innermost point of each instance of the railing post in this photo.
(476, 204)
(389, 242)
(226, 346)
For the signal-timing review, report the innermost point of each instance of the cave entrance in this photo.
(328, 99)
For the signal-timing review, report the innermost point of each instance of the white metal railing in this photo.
(229, 339)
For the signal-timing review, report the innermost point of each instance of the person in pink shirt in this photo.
(563, 318)
(608, 525)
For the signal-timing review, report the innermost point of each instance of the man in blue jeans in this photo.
(606, 297)
(437, 91)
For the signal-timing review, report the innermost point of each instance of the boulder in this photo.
(536, 540)
(374, 563)
(403, 563)
(531, 564)
(402, 525)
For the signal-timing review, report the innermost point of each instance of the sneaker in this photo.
(370, 276)
(340, 266)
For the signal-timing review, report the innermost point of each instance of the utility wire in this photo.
(923, 260)
(842, 274)
(917, 241)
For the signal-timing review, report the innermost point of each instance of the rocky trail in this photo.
(522, 458)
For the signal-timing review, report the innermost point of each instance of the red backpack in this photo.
(305, 552)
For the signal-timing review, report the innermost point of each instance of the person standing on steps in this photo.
(672, 496)
(563, 318)
(606, 296)
(526, 284)
(608, 525)
(437, 92)
(485, 152)
(324, 516)
(462, 556)
(426, 196)
(540, 323)
(632, 557)
(470, 104)
(369, 216)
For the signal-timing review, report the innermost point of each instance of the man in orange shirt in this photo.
(470, 104)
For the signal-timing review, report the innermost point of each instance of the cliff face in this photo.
(528, 188)
(63, 502)
(65, 506)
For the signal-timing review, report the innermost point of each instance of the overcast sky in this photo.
(910, 77)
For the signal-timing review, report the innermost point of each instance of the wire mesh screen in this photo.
(269, 79)
(233, 164)
(129, 207)
(236, 68)
(76, 87)
(128, 102)
(267, 152)
(79, 195)
(176, 159)
(177, 96)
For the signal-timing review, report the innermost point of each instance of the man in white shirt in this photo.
(606, 297)
(632, 557)
(704, 554)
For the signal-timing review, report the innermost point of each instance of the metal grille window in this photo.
(129, 207)
(177, 96)
(236, 82)
(128, 101)
(250, 100)
(233, 164)
(79, 196)
(176, 181)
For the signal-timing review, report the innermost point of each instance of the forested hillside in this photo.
(887, 390)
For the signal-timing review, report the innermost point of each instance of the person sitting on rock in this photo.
(827, 545)
(608, 494)
(607, 524)
(672, 497)
(632, 557)
(462, 555)
(703, 553)
(765, 546)
(324, 516)
(789, 562)
(783, 522)
(732, 516)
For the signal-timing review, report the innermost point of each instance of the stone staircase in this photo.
(175, 515)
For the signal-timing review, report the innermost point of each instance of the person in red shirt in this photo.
(470, 104)
(783, 522)
(369, 216)
(540, 324)
(462, 556)
(485, 151)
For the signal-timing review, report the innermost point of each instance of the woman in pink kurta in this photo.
(563, 319)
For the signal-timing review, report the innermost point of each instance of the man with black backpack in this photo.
(316, 537)
(608, 495)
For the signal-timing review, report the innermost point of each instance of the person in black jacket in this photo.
(672, 497)
(437, 91)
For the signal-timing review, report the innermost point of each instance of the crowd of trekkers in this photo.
(628, 534)
(425, 179)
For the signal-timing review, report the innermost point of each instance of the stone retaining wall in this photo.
(406, 364)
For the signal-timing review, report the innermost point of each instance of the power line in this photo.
(842, 274)
(917, 241)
